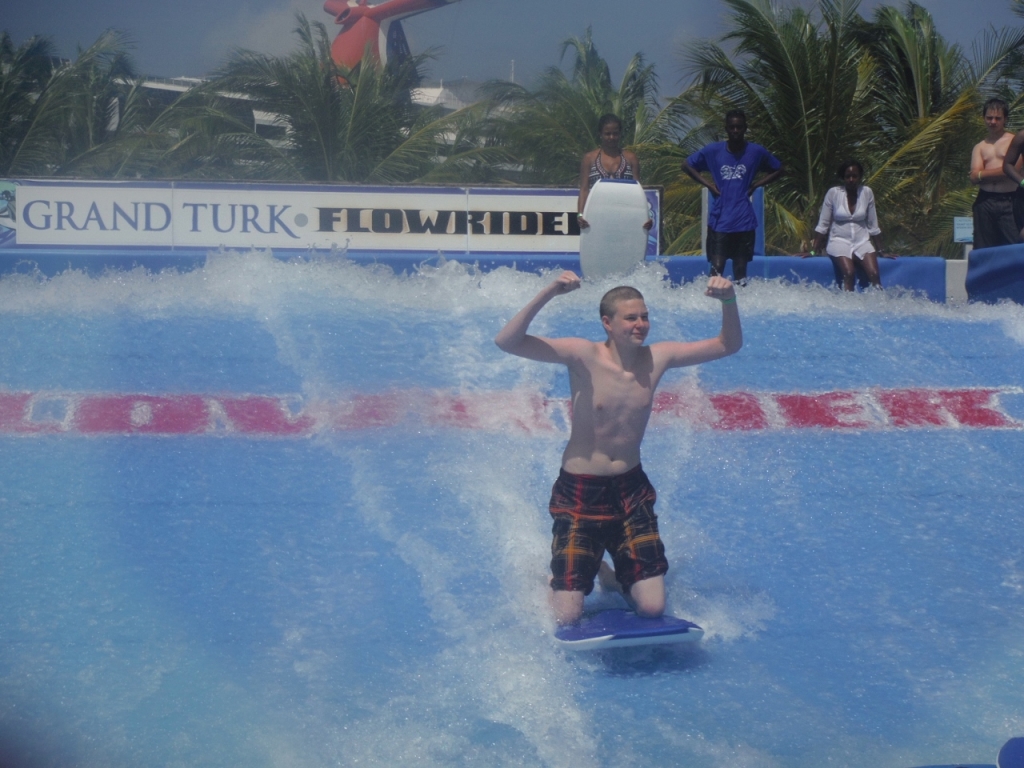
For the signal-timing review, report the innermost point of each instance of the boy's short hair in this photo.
(999, 104)
(615, 295)
(735, 113)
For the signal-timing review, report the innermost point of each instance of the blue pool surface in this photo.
(376, 595)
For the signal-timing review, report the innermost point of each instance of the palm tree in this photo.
(67, 114)
(807, 88)
(201, 134)
(93, 117)
(341, 125)
(929, 100)
(24, 72)
(547, 129)
(891, 93)
(925, 105)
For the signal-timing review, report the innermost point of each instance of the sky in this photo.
(477, 39)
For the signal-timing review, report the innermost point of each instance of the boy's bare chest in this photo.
(619, 390)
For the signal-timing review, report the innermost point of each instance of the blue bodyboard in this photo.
(618, 628)
(1012, 754)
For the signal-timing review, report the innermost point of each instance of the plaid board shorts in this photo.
(594, 513)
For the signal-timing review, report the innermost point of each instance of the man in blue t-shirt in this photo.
(733, 165)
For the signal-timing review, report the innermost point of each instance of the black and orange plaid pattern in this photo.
(593, 514)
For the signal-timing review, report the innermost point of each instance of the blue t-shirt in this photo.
(732, 211)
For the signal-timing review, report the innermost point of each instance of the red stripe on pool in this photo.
(42, 413)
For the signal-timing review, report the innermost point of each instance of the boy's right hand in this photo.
(566, 282)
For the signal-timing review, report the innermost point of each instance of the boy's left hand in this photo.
(720, 288)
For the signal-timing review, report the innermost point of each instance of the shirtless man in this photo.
(997, 209)
(602, 499)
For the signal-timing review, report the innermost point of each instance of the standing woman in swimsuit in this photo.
(609, 161)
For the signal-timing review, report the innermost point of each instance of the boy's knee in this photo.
(568, 606)
(648, 598)
(650, 608)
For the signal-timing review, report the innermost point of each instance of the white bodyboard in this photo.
(616, 240)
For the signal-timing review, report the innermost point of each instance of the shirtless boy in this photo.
(998, 208)
(602, 499)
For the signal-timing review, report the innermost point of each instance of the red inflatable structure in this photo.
(375, 26)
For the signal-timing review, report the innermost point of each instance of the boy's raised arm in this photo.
(729, 340)
(513, 337)
(731, 335)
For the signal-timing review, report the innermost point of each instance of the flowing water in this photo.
(272, 513)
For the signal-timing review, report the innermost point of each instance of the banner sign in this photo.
(185, 215)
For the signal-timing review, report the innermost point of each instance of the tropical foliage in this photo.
(819, 85)
(347, 126)
(825, 86)
(93, 117)
(90, 117)
(336, 131)
(24, 72)
(547, 129)
(55, 115)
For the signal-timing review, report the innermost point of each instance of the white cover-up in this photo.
(849, 233)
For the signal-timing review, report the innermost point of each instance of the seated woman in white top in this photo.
(849, 225)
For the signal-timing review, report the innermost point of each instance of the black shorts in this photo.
(998, 218)
(730, 245)
(593, 514)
